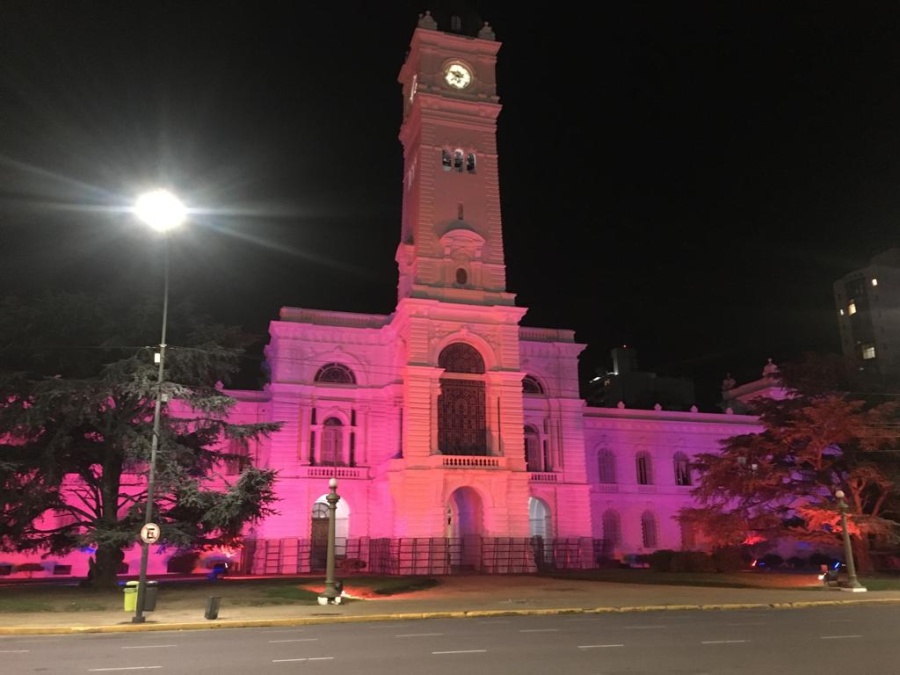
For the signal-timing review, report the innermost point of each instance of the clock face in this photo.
(457, 76)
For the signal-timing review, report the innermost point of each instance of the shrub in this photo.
(661, 561)
(771, 561)
(727, 559)
(796, 563)
(693, 561)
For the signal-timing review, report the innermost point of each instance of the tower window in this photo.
(456, 23)
(458, 160)
(851, 308)
(462, 276)
(470, 162)
(446, 160)
(868, 352)
(874, 282)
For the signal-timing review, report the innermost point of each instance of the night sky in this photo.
(684, 178)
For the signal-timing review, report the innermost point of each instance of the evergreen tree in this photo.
(77, 392)
(831, 431)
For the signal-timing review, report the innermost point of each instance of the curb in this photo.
(412, 616)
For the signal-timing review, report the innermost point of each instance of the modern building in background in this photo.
(457, 435)
(636, 388)
(868, 306)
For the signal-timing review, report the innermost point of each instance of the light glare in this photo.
(161, 210)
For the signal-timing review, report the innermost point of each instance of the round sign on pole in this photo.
(149, 533)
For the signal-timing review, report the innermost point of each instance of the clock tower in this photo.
(462, 470)
(451, 245)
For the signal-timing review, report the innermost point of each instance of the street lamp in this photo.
(331, 595)
(162, 211)
(853, 582)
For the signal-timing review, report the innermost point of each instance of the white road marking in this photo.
(723, 642)
(597, 646)
(640, 627)
(315, 658)
(838, 637)
(272, 642)
(109, 670)
(539, 630)
(487, 623)
(148, 646)
(761, 623)
(464, 651)
(13, 651)
(406, 635)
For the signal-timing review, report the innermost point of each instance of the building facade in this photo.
(868, 306)
(457, 435)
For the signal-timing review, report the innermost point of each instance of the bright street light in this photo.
(162, 211)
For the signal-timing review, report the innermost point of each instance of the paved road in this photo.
(858, 639)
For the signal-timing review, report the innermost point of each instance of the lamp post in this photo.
(853, 582)
(162, 211)
(331, 595)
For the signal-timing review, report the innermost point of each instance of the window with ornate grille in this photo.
(612, 531)
(335, 373)
(462, 419)
(606, 463)
(332, 453)
(533, 450)
(682, 469)
(644, 469)
(238, 457)
(531, 385)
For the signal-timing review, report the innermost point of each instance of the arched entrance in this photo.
(318, 554)
(540, 527)
(464, 527)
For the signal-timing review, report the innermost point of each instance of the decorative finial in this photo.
(486, 32)
(770, 369)
(694, 409)
(621, 405)
(657, 407)
(426, 21)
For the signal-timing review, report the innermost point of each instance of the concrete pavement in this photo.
(463, 596)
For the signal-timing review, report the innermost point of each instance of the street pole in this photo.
(162, 211)
(331, 596)
(853, 584)
(154, 442)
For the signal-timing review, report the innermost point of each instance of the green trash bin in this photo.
(131, 589)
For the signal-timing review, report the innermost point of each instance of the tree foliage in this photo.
(831, 431)
(77, 391)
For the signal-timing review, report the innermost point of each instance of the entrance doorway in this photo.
(465, 525)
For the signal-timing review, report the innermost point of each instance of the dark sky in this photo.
(685, 178)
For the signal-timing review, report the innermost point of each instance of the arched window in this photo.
(648, 530)
(533, 454)
(462, 277)
(606, 463)
(335, 373)
(470, 162)
(332, 443)
(682, 469)
(612, 531)
(462, 419)
(531, 385)
(461, 358)
(446, 160)
(644, 468)
(458, 160)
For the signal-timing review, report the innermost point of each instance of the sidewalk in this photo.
(455, 597)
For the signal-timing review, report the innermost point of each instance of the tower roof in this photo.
(456, 17)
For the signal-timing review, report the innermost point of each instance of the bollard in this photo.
(212, 608)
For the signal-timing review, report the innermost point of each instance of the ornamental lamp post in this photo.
(331, 595)
(853, 584)
(162, 211)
